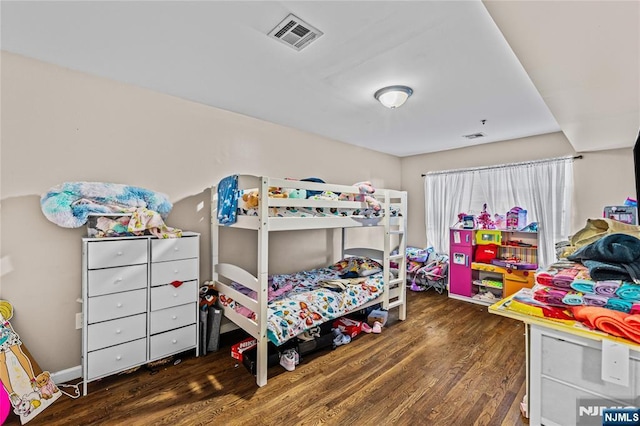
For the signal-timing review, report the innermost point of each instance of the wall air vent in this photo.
(294, 32)
(474, 136)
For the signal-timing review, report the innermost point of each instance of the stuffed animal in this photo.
(325, 195)
(295, 193)
(365, 190)
(276, 192)
(250, 200)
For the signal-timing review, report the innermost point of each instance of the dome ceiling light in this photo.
(393, 96)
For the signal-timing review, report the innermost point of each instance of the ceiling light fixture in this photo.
(393, 96)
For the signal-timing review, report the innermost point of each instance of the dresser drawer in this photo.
(116, 358)
(115, 332)
(170, 318)
(579, 363)
(172, 342)
(167, 296)
(176, 270)
(105, 254)
(113, 280)
(117, 305)
(558, 404)
(174, 249)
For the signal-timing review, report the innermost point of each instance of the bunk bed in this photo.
(323, 210)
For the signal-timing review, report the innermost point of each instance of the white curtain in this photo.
(543, 188)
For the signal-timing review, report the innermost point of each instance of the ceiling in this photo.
(526, 67)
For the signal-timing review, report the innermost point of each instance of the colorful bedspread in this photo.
(305, 299)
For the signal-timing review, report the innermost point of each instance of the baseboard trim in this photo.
(67, 375)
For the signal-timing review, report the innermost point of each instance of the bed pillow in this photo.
(362, 266)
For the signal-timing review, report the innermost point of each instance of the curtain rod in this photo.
(575, 157)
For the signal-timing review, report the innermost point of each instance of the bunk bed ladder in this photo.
(396, 296)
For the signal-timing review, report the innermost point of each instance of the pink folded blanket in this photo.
(612, 322)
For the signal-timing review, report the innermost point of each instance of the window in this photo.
(543, 188)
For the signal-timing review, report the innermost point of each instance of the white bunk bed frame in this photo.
(264, 224)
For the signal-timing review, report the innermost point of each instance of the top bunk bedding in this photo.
(241, 200)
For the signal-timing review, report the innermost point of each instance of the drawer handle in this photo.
(175, 294)
(120, 253)
(174, 317)
(176, 249)
(118, 279)
(175, 271)
(118, 331)
(119, 305)
(174, 341)
(118, 358)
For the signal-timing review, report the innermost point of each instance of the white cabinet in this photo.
(566, 375)
(140, 301)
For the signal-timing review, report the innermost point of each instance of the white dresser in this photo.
(574, 373)
(566, 383)
(140, 301)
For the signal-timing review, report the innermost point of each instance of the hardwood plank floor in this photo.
(449, 363)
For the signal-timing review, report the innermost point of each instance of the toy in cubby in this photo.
(516, 218)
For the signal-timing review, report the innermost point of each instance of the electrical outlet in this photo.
(78, 320)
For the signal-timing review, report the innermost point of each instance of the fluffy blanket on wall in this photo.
(69, 204)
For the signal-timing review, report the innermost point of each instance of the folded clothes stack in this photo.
(599, 284)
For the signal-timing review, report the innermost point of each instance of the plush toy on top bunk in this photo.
(295, 193)
(249, 200)
(366, 195)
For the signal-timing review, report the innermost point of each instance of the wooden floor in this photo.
(449, 363)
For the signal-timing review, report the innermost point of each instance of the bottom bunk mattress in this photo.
(302, 300)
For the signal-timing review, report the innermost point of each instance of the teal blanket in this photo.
(70, 204)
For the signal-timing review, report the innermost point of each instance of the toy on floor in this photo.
(426, 269)
(432, 275)
(29, 389)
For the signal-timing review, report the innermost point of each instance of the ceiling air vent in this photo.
(294, 32)
(474, 136)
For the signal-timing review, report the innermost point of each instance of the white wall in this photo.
(59, 125)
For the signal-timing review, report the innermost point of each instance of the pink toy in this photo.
(484, 219)
(366, 189)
